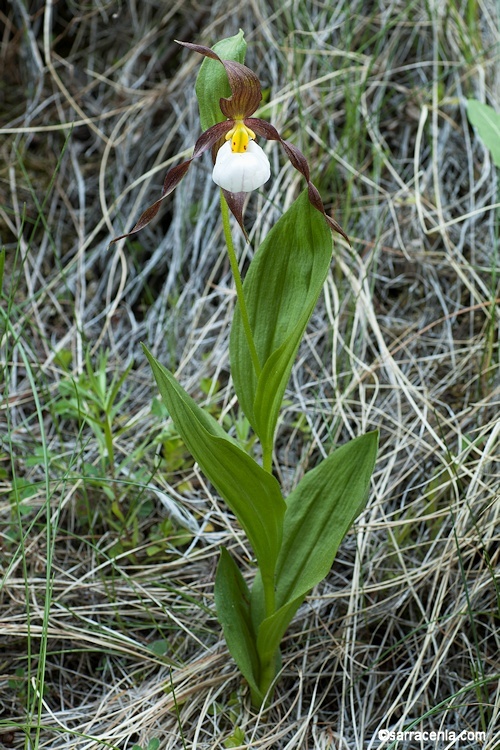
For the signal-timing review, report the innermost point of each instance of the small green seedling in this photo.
(153, 744)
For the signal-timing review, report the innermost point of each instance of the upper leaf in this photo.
(281, 289)
(252, 494)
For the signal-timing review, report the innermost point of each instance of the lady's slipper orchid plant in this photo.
(240, 164)
(294, 538)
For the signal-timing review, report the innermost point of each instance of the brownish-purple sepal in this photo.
(299, 161)
(175, 175)
(211, 136)
(235, 203)
(315, 200)
(172, 179)
(244, 84)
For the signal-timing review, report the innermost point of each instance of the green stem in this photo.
(239, 285)
(267, 458)
(267, 676)
(269, 595)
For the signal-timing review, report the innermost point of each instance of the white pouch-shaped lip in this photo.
(241, 172)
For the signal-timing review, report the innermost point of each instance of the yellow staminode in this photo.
(239, 136)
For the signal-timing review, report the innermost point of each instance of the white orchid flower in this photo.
(240, 163)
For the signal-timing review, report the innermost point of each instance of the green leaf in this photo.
(253, 494)
(281, 289)
(212, 82)
(320, 511)
(232, 600)
(237, 739)
(159, 647)
(487, 122)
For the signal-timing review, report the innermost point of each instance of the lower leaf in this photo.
(253, 494)
(320, 510)
(232, 600)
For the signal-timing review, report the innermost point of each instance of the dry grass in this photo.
(100, 559)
